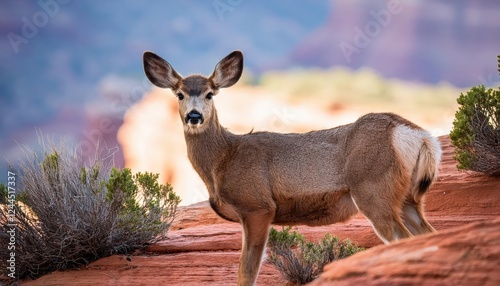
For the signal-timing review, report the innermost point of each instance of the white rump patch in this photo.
(407, 142)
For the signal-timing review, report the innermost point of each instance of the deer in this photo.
(380, 165)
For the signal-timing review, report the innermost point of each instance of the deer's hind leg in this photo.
(414, 219)
(382, 206)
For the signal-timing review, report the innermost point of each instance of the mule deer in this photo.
(381, 165)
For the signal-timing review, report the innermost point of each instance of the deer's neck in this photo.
(207, 149)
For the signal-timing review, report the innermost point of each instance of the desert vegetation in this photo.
(300, 261)
(69, 213)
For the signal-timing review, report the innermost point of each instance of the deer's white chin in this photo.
(194, 128)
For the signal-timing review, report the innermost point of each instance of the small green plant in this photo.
(146, 206)
(476, 131)
(299, 261)
(68, 214)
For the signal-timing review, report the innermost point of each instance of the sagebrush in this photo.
(476, 131)
(299, 261)
(69, 213)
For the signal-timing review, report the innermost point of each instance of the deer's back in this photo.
(295, 173)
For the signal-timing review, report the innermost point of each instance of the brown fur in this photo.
(376, 165)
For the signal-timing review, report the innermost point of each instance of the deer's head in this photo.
(194, 92)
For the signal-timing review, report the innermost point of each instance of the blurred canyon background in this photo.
(73, 69)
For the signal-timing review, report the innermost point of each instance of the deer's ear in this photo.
(228, 71)
(160, 72)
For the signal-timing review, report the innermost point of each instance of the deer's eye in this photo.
(209, 95)
(180, 96)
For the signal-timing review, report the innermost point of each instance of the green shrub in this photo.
(147, 208)
(69, 213)
(476, 131)
(299, 261)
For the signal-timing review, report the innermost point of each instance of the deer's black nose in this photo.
(194, 117)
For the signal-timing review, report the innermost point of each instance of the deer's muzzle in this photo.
(194, 117)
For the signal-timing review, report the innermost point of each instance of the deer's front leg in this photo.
(255, 234)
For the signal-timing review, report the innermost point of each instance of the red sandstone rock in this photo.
(203, 249)
(469, 255)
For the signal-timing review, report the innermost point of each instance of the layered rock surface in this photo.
(468, 255)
